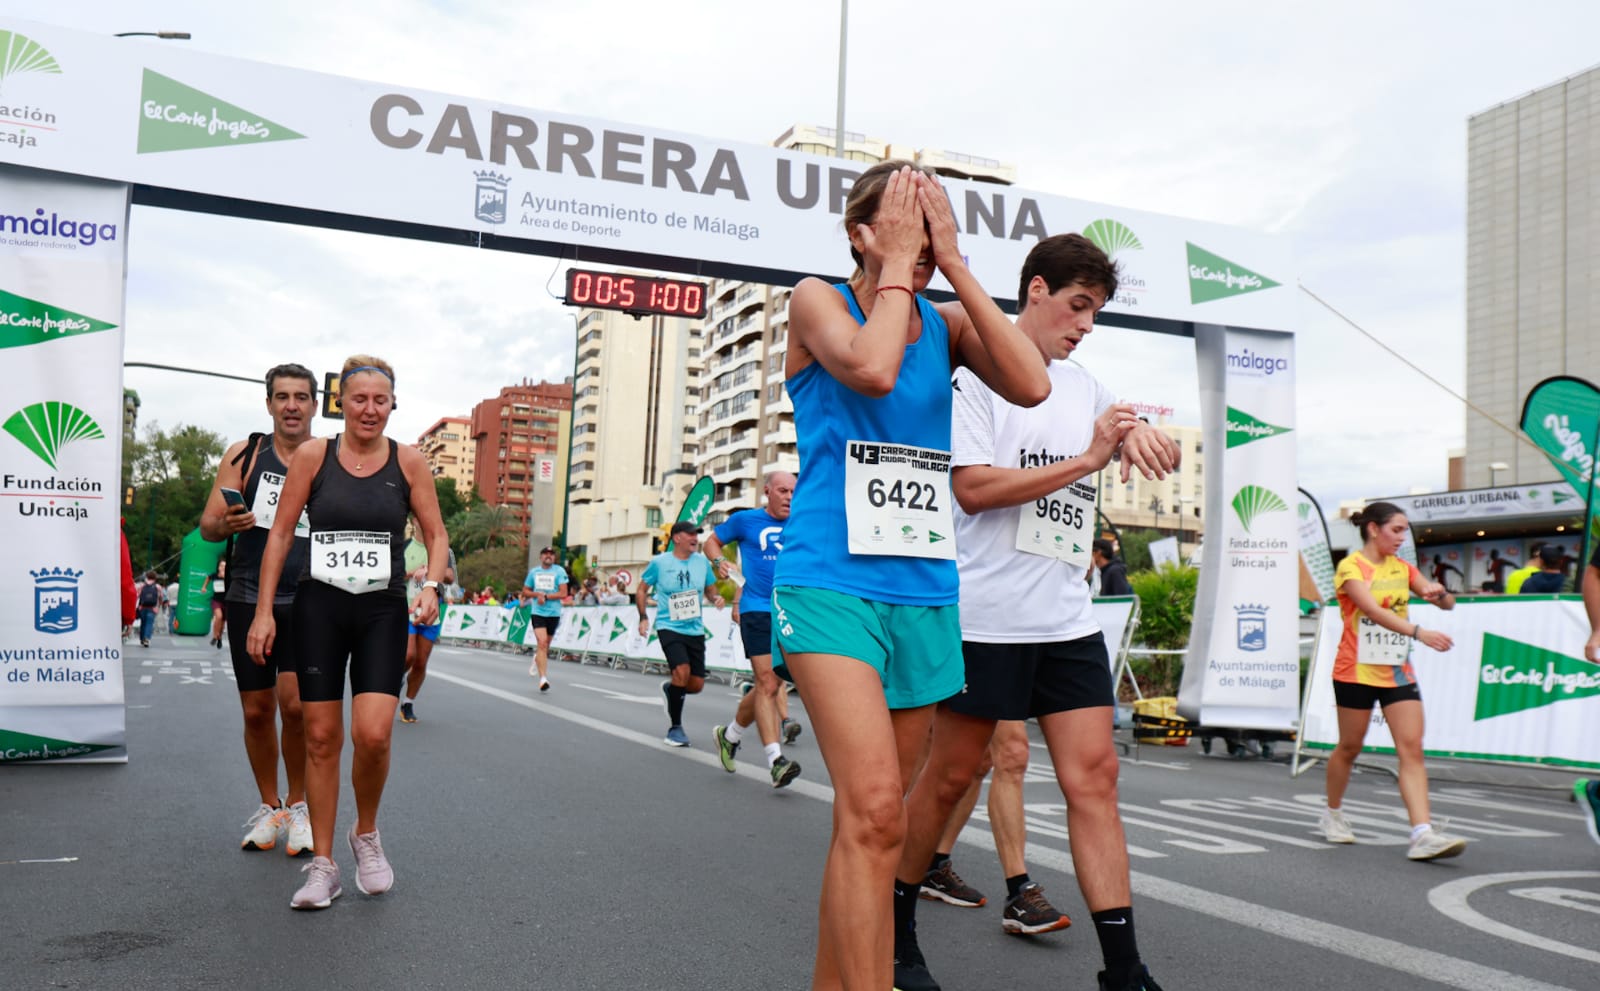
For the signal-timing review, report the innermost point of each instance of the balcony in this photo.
(748, 327)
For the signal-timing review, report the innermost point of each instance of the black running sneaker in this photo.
(1139, 980)
(1030, 913)
(945, 885)
(784, 771)
(406, 715)
(910, 969)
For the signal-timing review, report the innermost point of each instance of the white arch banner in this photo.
(175, 119)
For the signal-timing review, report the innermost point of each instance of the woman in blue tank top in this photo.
(864, 599)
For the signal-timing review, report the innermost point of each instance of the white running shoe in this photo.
(374, 876)
(1334, 827)
(299, 830)
(263, 826)
(1434, 845)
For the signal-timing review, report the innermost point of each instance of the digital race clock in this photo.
(637, 294)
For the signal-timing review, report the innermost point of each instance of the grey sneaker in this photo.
(374, 876)
(1334, 827)
(321, 888)
(1434, 845)
(791, 732)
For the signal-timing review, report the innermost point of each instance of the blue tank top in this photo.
(828, 415)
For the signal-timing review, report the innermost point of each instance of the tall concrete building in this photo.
(1173, 505)
(514, 432)
(745, 417)
(634, 433)
(451, 451)
(1533, 244)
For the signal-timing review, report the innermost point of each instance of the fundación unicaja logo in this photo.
(20, 56)
(45, 428)
(1112, 237)
(1214, 277)
(490, 205)
(1514, 677)
(1242, 428)
(1252, 501)
(25, 321)
(174, 116)
(1252, 626)
(55, 599)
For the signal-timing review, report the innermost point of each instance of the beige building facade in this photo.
(1174, 505)
(1533, 241)
(451, 451)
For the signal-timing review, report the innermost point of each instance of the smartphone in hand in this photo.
(233, 497)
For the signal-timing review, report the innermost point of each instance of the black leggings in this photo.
(333, 627)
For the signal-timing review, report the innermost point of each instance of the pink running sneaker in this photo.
(374, 876)
(321, 888)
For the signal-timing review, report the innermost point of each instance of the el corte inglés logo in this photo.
(1515, 676)
(176, 117)
(45, 428)
(1244, 428)
(1214, 277)
(25, 321)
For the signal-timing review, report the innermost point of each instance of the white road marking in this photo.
(1451, 899)
(145, 679)
(1582, 901)
(1427, 965)
(614, 695)
(48, 860)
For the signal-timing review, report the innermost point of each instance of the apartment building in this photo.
(1174, 505)
(514, 432)
(451, 451)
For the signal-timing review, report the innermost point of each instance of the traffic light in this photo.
(330, 396)
(655, 546)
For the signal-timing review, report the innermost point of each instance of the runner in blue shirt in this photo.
(759, 534)
(678, 577)
(543, 589)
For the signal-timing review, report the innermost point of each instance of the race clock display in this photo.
(637, 294)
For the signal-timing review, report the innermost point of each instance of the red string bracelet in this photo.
(904, 289)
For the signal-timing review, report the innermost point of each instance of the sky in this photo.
(1341, 127)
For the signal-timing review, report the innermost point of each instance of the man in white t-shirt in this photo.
(1023, 481)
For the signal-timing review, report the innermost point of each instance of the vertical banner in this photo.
(1243, 665)
(1562, 415)
(1316, 560)
(63, 243)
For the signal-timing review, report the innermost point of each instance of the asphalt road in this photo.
(552, 841)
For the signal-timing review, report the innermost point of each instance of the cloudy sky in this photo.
(1340, 126)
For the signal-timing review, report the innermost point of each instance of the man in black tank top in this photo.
(255, 468)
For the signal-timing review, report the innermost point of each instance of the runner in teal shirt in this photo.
(679, 577)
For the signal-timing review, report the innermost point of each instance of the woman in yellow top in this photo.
(1373, 665)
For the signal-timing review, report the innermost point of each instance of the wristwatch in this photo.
(430, 583)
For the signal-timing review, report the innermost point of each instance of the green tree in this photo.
(451, 504)
(1166, 610)
(502, 567)
(1133, 547)
(171, 474)
(485, 526)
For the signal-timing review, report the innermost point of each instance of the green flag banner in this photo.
(698, 503)
(1562, 416)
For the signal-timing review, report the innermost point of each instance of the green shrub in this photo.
(1166, 610)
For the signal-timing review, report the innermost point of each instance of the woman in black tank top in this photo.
(358, 489)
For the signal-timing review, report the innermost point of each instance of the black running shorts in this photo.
(755, 629)
(334, 628)
(682, 648)
(538, 622)
(1025, 680)
(253, 677)
(1350, 695)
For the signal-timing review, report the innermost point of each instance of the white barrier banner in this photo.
(173, 118)
(1112, 613)
(1514, 687)
(475, 623)
(62, 265)
(613, 631)
(1243, 665)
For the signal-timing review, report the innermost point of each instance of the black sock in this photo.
(905, 908)
(1118, 946)
(939, 860)
(1014, 884)
(675, 704)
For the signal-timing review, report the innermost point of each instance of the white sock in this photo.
(733, 732)
(773, 752)
(1417, 831)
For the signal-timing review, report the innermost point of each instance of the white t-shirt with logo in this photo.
(1007, 595)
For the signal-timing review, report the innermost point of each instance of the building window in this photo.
(652, 518)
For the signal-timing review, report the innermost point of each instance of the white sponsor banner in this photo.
(1164, 551)
(613, 631)
(1513, 688)
(1314, 552)
(1243, 665)
(1113, 613)
(61, 315)
(173, 118)
(1556, 500)
(475, 623)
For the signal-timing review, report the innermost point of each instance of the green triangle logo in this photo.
(1243, 428)
(467, 620)
(934, 538)
(45, 428)
(1514, 676)
(619, 628)
(175, 117)
(1558, 496)
(21, 747)
(1215, 277)
(25, 321)
(583, 627)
